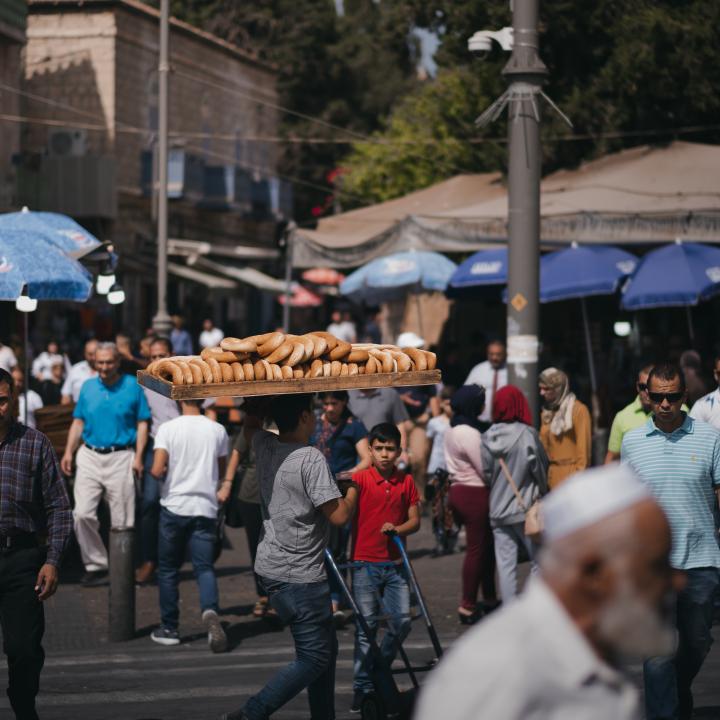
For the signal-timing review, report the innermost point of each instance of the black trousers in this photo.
(23, 623)
(253, 522)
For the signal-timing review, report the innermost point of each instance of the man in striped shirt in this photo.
(679, 459)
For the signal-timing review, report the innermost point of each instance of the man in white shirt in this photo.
(79, 373)
(211, 335)
(7, 358)
(194, 449)
(491, 374)
(707, 408)
(601, 601)
(34, 401)
(342, 327)
(43, 363)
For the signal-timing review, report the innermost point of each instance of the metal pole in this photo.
(161, 321)
(289, 239)
(27, 365)
(122, 585)
(525, 72)
(591, 363)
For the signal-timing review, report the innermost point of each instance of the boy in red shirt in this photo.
(388, 501)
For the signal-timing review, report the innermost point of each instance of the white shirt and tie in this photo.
(492, 380)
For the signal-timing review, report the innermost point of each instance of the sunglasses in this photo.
(670, 397)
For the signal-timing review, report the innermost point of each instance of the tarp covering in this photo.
(642, 195)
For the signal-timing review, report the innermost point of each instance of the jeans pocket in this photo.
(282, 598)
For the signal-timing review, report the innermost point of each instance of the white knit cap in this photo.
(588, 497)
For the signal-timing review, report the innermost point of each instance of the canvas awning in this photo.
(211, 281)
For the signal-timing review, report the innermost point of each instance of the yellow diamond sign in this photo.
(519, 302)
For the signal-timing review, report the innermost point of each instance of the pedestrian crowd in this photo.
(629, 554)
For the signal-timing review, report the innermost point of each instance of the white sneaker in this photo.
(217, 640)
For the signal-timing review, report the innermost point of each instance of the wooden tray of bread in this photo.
(276, 363)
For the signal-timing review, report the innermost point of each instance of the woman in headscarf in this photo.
(565, 427)
(512, 439)
(469, 500)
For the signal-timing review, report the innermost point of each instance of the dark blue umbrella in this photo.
(59, 230)
(483, 269)
(26, 260)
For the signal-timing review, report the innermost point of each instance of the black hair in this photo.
(336, 395)
(163, 341)
(667, 371)
(385, 432)
(286, 410)
(495, 341)
(6, 377)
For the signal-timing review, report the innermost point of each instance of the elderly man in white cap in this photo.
(601, 600)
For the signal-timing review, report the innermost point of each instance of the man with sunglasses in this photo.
(631, 416)
(679, 459)
(707, 408)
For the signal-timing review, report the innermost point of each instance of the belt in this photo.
(18, 541)
(107, 450)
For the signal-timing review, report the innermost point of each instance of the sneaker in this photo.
(165, 636)
(217, 640)
(356, 706)
(94, 578)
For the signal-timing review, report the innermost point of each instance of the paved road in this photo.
(87, 678)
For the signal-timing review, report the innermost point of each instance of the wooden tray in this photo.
(280, 387)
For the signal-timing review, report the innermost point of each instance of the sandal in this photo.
(261, 608)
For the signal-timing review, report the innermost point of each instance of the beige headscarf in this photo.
(558, 413)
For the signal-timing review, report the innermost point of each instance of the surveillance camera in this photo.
(480, 44)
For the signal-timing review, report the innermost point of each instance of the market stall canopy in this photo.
(301, 298)
(356, 237)
(642, 195)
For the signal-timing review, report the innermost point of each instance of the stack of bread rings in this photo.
(277, 356)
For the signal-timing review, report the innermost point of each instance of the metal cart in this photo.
(387, 700)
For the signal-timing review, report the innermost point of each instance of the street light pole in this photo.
(526, 73)
(161, 321)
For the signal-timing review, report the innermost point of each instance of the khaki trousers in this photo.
(96, 474)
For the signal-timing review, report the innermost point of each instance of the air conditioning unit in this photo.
(64, 142)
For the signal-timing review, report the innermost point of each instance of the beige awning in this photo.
(212, 281)
(249, 276)
(193, 248)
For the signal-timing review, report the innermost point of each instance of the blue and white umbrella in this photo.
(393, 276)
(485, 268)
(59, 230)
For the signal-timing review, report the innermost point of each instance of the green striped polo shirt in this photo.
(682, 470)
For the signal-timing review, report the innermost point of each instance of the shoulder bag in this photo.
(533, 518)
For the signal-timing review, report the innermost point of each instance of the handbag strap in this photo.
(509, 478)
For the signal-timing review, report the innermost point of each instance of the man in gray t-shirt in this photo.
(299, 500)
(381, 405)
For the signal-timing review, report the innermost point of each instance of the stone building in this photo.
(89, 150)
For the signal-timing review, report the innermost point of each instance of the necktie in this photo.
(494, 390)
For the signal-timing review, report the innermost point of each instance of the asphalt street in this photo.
(86, 677)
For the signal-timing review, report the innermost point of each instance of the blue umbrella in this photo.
(393, 276)
(483, 269)
(48, 273)
(59, 230)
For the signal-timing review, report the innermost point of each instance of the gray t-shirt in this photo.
(294, 482)
(382, 405)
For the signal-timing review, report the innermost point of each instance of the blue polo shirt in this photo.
(682, 470)
(111, 413)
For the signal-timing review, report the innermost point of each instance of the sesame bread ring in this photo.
(362, 369)
(330, 339)
(238, 374)
(371, 366)
(248, 370)
(150, 369)
(320, 344)
(281, 353)
(238, 345)
(431, 359)
(296, 356)
(316, 368)
(197, 374)
(187, 372)
(218, 354)
(299, 372)
(169, 370)
(335, 368)
(287, 372)
(269, 347)
(204, 369)
(261, 339)
(215, 369)
(276, 373)
(418, 358)
(227, 373)
(326, 369)
(344, 370)
(384, 358)
(404, 363)
(309, 346)
(353, 369)
(260, 368)
(340, 351)
(357, 355)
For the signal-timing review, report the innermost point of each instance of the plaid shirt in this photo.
(33, 497)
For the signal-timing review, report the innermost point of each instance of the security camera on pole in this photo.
(526, 73)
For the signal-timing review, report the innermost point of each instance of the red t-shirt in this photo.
(380, 501)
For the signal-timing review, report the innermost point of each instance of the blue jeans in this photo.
(306, 608)
(175, 533)
(149, 509)
(668, 679)
(379, 587)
